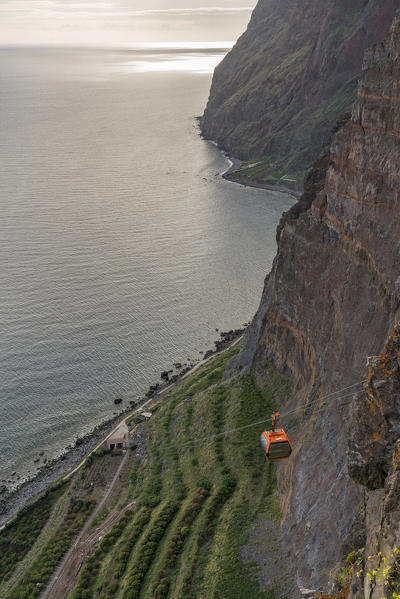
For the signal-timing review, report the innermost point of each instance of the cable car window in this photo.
(279, 450)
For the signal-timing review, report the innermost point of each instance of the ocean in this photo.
(122, 248)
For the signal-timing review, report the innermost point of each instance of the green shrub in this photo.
(148, 549)
(216, 504)
(204, 483)
(151, 494)
(102, 451)
(88, 462)
(163, 581)
(102, 516)
(17, 538)
(40, 572)
(92, 567)
(121, 559)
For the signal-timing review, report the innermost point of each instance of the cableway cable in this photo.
(335, 396)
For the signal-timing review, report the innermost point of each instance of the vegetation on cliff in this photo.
(192, 495)
(209, 493)
(21, 533)
(276, 96)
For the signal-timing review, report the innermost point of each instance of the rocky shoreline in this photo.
(236, 163)
(229, 175)
(267, 186)
(52, 470)
(11, 500)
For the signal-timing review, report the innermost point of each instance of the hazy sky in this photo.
(121, 21)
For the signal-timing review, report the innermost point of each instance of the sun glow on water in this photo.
(213, 45)
(194, 64)
(195, 57)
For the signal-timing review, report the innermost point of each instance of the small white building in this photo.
(145, 415)
(119, 438)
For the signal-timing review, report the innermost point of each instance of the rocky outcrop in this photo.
(374, 460)
(278, 93)
(331, 300)
(380, 576)
(375, 419)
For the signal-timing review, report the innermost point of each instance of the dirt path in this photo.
(64, 578)
(56, 516)
(131, 413)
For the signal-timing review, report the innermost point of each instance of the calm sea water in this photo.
(121, 248)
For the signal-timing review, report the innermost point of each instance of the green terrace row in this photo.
(196, 496)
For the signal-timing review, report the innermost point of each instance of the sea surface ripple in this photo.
(122, 250)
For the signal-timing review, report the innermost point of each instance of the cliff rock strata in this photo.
(278, 93)
(331, 299)
(374, 460)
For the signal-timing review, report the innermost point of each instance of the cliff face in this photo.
(278, 93)
(374, 460)
(331, 300)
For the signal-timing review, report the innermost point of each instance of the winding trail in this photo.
(64, 578)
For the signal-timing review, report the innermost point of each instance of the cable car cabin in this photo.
(275, 443)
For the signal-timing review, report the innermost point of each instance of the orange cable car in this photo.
(275, 443)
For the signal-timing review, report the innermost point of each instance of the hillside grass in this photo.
(263, 171)
(19, 536)
(197, 497)
(41, 570)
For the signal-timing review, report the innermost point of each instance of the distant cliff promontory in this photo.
(277, 94)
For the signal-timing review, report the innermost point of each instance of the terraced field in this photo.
(20, 541)
(193, 490)
(197, 497)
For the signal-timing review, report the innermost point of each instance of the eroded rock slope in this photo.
(331, 300)
(374, 461)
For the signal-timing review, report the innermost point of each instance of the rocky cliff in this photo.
(374, 459)
(330, 301)
(278, 93)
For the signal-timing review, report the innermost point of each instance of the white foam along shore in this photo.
(64, 466)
